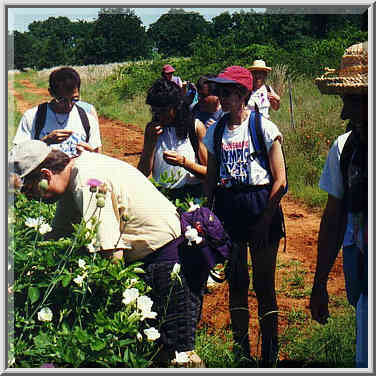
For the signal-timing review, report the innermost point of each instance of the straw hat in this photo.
(351, 77)
(259, 65)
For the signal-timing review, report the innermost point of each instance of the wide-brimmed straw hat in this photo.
(351, 77)
(259, 65)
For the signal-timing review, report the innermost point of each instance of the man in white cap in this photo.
(345, 218)
(262, 96)
(136, 222)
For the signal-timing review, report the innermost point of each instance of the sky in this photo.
(20, 18)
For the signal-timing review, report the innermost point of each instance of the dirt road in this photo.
(295, 268)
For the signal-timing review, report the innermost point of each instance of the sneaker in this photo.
(188, 359)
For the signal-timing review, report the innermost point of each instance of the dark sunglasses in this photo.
(64, 100)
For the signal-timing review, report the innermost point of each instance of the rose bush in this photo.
(67, 305)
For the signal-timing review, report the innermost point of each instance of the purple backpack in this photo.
(214, 246)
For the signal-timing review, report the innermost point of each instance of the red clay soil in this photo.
(125, 141)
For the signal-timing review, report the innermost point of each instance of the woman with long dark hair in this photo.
(173, 142)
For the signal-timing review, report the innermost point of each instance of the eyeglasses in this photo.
(64, 100)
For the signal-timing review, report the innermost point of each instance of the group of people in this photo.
(208, 149)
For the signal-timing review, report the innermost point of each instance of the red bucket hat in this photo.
(168, 68)
(234, 75)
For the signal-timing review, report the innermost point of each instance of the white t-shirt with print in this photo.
(168, 141)
(260, 97)
(151, 219)
(71, 121)
(237, 149)
(331, 181)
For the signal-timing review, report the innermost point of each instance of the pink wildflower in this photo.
(93, 183)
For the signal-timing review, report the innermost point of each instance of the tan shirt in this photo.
(152, 220)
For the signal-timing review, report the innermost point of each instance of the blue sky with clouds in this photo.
(20, 18)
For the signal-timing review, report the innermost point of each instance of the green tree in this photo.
(173, 32)
(21, 45)
(115, 37)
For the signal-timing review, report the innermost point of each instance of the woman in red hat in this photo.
(167, 73)
(246, 195)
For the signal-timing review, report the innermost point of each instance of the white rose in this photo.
(44, 228)
(144, 303)
(193, 207)
(152, 334)
(79, 280)
(148, 315)
(34, 222)
(175, 272)
(130, 295)
(192, 236)
(45, 314)
(139, 336)
(81, 263)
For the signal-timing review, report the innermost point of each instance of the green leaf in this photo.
(66, 280)
(41, 340)
(97, 345)
(126, 342)
(33, 294)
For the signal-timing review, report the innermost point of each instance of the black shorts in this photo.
(241, 207)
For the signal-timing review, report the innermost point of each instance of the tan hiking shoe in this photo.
(188, 359)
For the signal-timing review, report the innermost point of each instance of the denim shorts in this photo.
(355, 268)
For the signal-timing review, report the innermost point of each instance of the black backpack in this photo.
(40, 119)
(351, 144)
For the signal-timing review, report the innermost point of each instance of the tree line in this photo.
(118, 35)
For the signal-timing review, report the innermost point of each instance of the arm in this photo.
(277, 165)
(274, 99)
(332, 229)
(152, 131)
(211, 179)
(197, 169)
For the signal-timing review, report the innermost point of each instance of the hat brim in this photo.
(339, 86)
(222, 80)
(268, 69)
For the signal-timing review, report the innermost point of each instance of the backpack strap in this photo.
(218, 134)
(258, 139)
(268, 88)
(84, 121)
(40, 119)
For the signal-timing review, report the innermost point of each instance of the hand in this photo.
(173, 158)
(319, 304)
(84, 146)
(273, 98)
(152, 131)
(57, 136)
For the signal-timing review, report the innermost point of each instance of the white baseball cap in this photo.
(27, 156)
